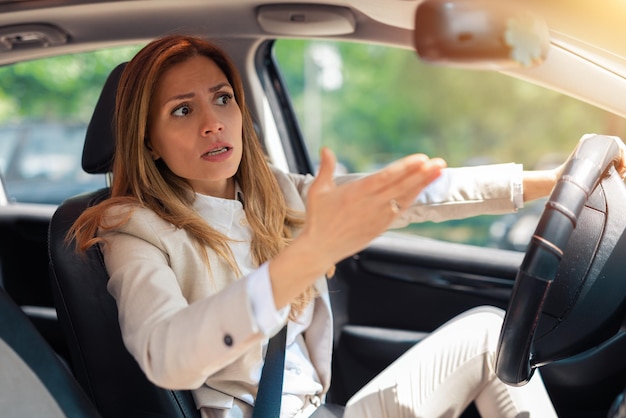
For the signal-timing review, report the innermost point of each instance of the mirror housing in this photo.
(479, 34)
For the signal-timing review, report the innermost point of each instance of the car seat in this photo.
(34, 381)
(87, 312)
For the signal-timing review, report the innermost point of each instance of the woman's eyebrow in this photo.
(180, 97)
(220, 86)
(190, 95)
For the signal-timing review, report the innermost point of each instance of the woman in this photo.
(210, 250)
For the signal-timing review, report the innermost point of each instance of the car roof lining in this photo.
(87, 24)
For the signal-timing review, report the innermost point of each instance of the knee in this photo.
(490, 316)
(487, 310)
(486, 322)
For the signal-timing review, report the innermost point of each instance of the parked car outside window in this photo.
(45, 106)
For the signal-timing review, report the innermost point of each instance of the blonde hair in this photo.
(140, 181)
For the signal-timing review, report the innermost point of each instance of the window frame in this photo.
(279, 100)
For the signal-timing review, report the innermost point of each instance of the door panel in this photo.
(391, 295)
(24, 267)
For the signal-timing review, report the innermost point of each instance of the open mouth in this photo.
(216, 151)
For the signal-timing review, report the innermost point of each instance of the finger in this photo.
(413, 180)
(411, 186)
(440, 162)
(327, 163)
(406, 191)
(416, 167)
(324, 177)
(394, 172)
(622, 161)
(395, 193)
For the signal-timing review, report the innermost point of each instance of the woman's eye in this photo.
(183, 110)
(224, 99)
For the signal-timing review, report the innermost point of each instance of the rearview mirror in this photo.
(480, 34)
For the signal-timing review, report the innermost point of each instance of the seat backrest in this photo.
(87, 312)
(33, 381)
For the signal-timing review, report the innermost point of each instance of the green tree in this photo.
(64, 87)
(391, 104)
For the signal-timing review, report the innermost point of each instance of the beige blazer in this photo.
(191, 328)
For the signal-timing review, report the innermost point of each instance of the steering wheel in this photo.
(569, 291)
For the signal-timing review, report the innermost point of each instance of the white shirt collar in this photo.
(220, 213)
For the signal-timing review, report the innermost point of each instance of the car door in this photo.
(372, 104)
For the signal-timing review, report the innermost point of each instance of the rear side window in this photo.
(372, 104)
(45, 106)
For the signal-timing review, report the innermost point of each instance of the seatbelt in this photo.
(269, 394)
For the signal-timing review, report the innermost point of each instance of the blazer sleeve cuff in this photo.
(268, 319)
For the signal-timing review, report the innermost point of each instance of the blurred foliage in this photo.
(390, 104)
(45, 106)
(64, 87)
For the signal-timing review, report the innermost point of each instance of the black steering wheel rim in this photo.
(591, 160)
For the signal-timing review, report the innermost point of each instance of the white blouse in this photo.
(228, 217)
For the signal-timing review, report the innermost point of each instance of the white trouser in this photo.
(445, 372)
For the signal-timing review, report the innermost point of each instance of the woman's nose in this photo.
(211, 122)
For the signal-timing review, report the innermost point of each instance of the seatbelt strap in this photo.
(269, 394)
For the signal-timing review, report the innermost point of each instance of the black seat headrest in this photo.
(100, 137)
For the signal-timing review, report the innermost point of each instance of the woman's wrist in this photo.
(539, 183)
(295, 269)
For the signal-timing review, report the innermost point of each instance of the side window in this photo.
(45, 106)
(372, 104)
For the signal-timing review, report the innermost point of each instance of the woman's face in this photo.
(196, 126)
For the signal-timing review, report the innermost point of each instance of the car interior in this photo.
(60, 342)
(34, 380)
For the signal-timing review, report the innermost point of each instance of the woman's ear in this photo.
(155, 156)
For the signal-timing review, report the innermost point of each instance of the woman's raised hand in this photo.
(343, 219)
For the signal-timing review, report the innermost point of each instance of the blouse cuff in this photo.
(268, 319)
(518, 186)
